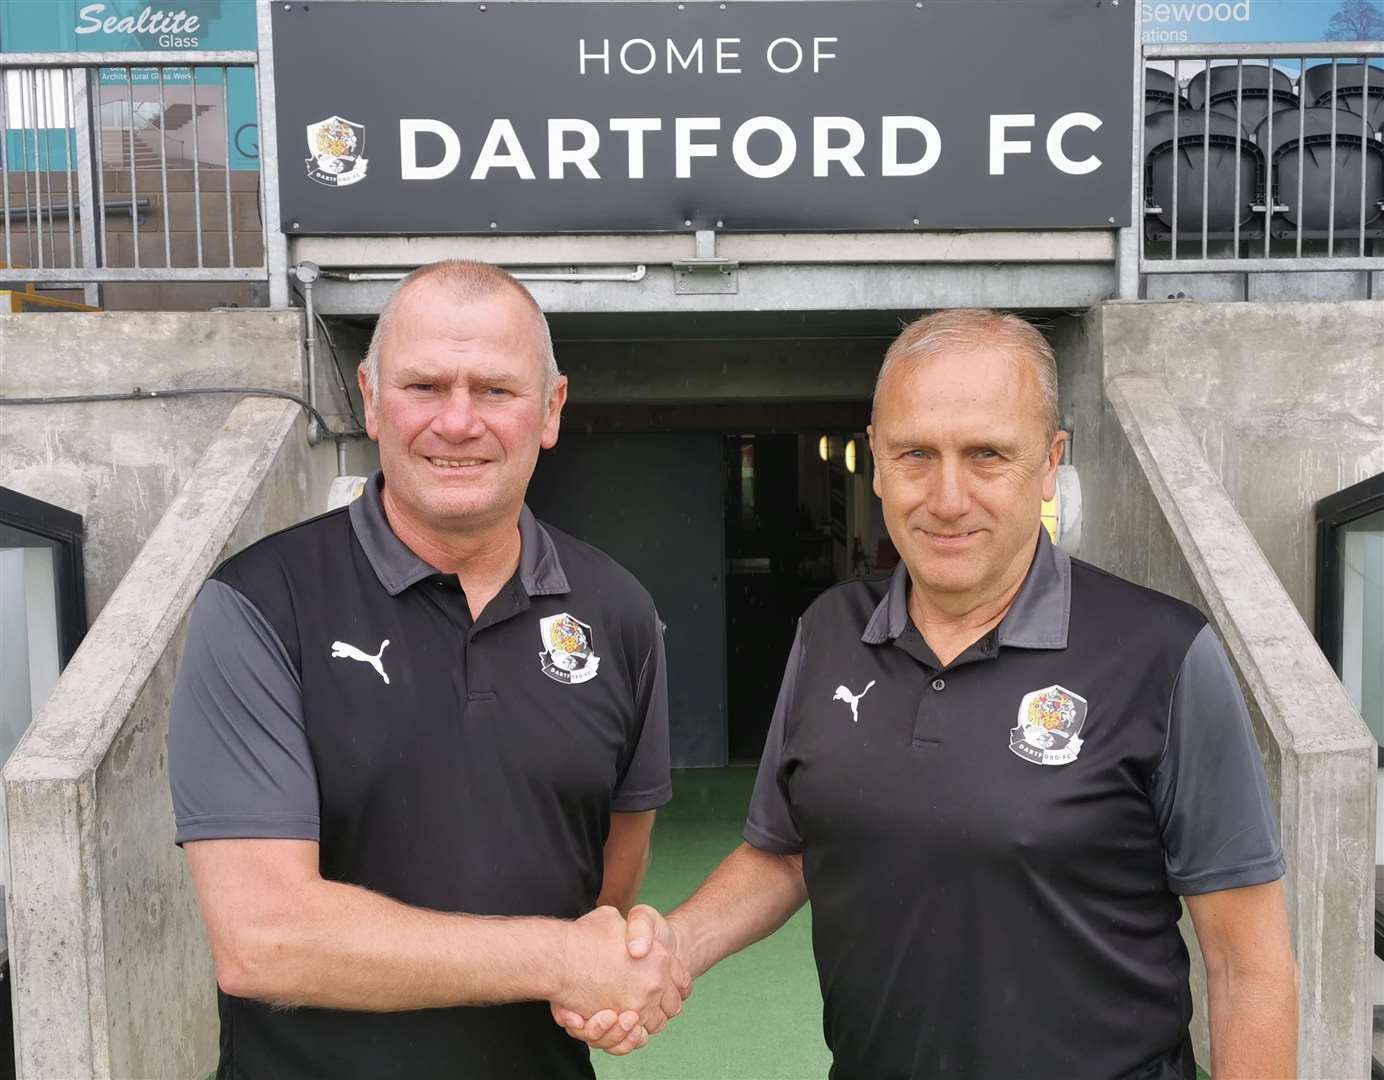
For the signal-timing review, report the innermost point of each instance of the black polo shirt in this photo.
(995, 850)
(335, 688)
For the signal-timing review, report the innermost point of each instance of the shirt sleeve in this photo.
(770, 825)
(1210, 794)
(239, 764)
(647, 783)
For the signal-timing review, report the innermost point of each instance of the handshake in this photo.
(625, 979)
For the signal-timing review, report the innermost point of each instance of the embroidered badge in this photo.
(843, 693)
(1049, 727)
(568, 654)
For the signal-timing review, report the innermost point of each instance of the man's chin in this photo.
(946, 576)
(464, 508)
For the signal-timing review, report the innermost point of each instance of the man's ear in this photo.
(367, 395)
(552, 421)
(874, 470)
(1054, 459)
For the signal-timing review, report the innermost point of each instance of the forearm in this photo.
(1254, 1023)
(749, 896)
(624, 859)
(340, 946)
(621, 890)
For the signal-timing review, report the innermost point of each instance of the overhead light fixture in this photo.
(850, 456)
(824, 448)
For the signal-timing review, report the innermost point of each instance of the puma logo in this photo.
(341, 650)
(853, 700)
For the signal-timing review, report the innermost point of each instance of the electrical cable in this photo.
(340, 372)
(138, 394)
(336, 359)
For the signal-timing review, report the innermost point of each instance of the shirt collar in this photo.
(1037, 619)
(398, 566)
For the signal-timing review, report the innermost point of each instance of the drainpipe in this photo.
(306, 273)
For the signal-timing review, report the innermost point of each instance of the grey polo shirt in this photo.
(994, 849)
(334, 687)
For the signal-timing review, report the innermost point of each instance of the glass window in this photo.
(1362, 616)
(42, 613)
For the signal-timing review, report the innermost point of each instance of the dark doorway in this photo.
(765, 589)
(652, 502)
(735, 517)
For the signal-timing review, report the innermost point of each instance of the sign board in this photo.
(132, 26)
(559, 117)
(1176, 22)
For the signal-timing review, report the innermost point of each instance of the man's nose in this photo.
(949, 496)
(457, 417)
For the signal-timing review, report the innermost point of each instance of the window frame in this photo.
(1333, 512)
(64, 528)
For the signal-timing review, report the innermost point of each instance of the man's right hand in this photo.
(627, 993)
(647, 938)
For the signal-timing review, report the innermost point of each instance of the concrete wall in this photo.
(1157, 513)
(1285, 400)
(111, 971)
(120, 464)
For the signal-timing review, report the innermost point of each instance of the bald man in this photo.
(417, 744)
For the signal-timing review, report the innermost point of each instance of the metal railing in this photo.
(94, 185)
(1238, 172)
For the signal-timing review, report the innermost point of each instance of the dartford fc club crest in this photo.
(568, 654)
(336, 146)
(1049, 727)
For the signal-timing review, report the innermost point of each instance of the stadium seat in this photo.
(1311, 156)
(1225, 204)
(1351, 90)
(1160, 91)
(1250, 82)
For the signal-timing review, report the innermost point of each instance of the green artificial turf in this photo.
(756, 1016)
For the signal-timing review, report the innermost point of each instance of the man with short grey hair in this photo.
(997, 773)
(417, 744)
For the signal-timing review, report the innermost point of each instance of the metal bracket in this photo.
(706, 273)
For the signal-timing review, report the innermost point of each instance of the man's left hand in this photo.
(619, 1033)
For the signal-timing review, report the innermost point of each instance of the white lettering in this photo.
(818, 55)
(624, 56)
(797, 49)
(634, 129)
(559, 156)
(1055, 152)
(603, 56)
(684, 149)
(823, 153)
(91, 19)
(740, 147)
(409, 130)
(1225, 11)
(502, 135)
(932, 146)
(999, 146)
(685, 61)
(723, 55)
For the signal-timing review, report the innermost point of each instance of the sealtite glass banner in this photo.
(36, 113)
